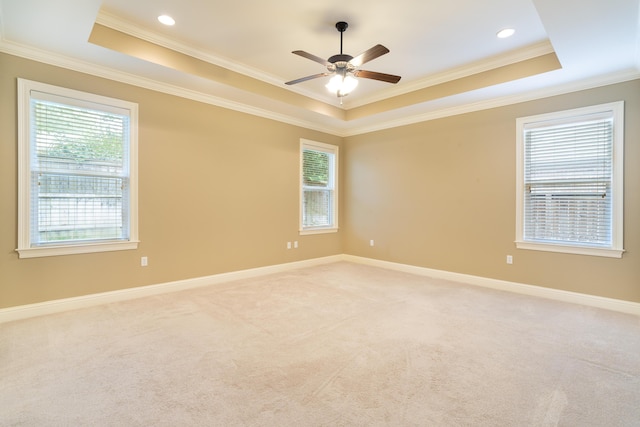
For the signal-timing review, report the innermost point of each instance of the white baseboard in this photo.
(502, 285)
(60, 305)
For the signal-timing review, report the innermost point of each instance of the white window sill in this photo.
(577, 250)
(318, 230)
(42, 251)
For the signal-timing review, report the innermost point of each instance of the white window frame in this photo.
(616, 110)
(25, 248)
(306, 144)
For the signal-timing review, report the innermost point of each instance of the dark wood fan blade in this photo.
(304, 79)
(389, 78)
(368, 55)
(311, 57)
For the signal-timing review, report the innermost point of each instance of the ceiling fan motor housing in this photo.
(340, 58)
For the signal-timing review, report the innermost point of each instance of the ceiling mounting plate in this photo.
(342, 26)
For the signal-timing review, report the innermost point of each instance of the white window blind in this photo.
(318, 199)
(79, 185)
(568, 173)
(569, 181)
(78, 156)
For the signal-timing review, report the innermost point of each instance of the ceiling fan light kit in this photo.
(344, 68)
(342, 85)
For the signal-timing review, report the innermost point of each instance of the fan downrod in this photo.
(341, 26)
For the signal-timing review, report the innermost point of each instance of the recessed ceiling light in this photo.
(166, 20)
(507, 32)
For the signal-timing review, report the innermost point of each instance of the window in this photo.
(318, 200)
(569, 181)
(77, 184)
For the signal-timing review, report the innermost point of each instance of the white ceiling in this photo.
(596, 41)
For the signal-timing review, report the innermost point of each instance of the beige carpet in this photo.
(335, 345)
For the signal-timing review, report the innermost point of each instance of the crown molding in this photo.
(513, 57)
(379, 121)
(503, 101)
(74, 64)
(117, 23)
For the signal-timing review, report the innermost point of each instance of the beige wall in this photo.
(218, 193)
(441, 194)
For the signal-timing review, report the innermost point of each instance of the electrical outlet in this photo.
(288, 245)
(371, 242)
(144, 261)
(509, 259)
(295, 245)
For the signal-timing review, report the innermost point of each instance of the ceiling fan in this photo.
(345, 67)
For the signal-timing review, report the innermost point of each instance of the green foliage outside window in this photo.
(97, 138)
(315, 168)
